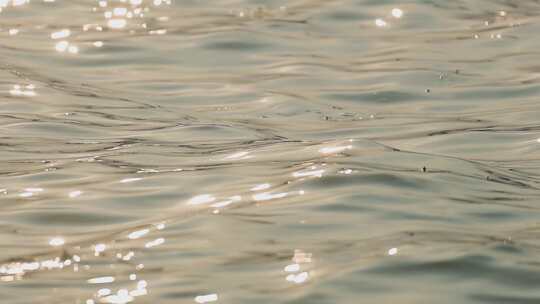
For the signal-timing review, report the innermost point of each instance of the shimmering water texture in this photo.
(251, 151)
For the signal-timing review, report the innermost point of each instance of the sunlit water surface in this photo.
(251, 151)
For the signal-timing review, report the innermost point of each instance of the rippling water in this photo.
(251, 151)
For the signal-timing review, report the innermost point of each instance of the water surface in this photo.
(250, 151)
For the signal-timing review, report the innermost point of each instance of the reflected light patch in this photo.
(128, 256)
(61, 34)
(238, 155)
(260, 187)
(301, 257)
(292, 268)
(99, 248)
(155, 243)
(73, 49)
(57, 241)
(19, 90)
(117, 23)
(333, 150)
(265, 196)
(201, 199)
(121, 297)
(397, 13)
(74, 194)
(298, 278)
(158, 32)
(100, 280)
(130, 180)
(103, 292)
(26, 194)
(137, 234)
(231, 200)
(380, 22)
(19, 2)
(61, 46)
(206, 298)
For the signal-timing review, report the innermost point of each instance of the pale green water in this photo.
(270, 151)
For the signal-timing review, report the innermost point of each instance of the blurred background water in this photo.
(252, 151)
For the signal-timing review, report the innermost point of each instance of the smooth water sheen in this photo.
(252, 151)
